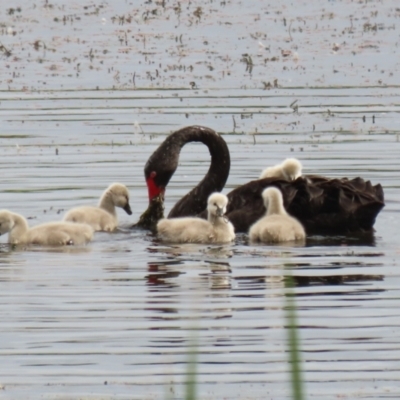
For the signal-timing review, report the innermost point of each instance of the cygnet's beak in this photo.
(127, 209)
(220, 211)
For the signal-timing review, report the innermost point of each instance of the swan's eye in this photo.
(153, 174)
(215, 204)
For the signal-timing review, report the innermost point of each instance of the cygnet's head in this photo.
(292, 168)
(217, 203)
(6, 221)
(271, 194)
(120, 196)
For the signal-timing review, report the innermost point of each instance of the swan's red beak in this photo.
(153, 189)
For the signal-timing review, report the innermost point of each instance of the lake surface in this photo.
(87, 93)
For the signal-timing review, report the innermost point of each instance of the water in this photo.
(90, 102)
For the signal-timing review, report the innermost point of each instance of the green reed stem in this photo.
(293, 341)
(191, 370)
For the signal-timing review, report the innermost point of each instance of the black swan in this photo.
(322, 205)
(164, 161)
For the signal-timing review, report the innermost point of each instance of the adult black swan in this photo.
(164, 161)
(323, 205)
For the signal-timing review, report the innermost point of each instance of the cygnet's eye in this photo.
(215, 204)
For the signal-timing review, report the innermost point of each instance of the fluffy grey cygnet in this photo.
(104, 216)
(57, 233)
(217, 229)
(277, 225)
(289, 169)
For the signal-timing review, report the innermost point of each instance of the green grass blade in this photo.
(191, 370)
(293, 341)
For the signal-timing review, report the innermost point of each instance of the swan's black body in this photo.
(322, 205)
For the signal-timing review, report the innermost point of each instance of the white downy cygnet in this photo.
(217, 229)
(104, 216)
(57, 233)
(289, 169)
(277, 225)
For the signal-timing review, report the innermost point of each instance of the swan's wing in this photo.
(346, 205)
(321, 204)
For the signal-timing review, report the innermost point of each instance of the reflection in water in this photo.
(188, 251)
(5, 248)
(8, 248)
(333, 280)
(159, 276)
(219, 281)
(219, 278)
(354, 239)
(160, 280)
(163, 277)
(61, 249)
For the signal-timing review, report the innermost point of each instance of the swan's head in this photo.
(6, 221)
(161, 166)
(216, 204)
(292, 168)
(120, 196)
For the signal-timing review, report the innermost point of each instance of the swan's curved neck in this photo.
(162, 164)
(107, 203)
(19, 229)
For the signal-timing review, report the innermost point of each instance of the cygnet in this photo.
(289, 169)
(217, 229)
(104, 216)
(277, 225)
(57, 233)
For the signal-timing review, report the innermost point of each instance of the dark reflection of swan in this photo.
(160, 275)
(339, 285)
(356, 239)
(160, 279)
(321, 204)
(332, 280)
